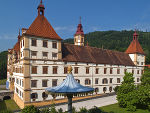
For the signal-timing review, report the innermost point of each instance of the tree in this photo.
(30, 109)
(126, 94)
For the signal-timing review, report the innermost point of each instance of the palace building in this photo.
(39, 60)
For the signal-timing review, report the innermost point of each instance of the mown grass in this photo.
(114, 108)
(8, 105)
(3, 82)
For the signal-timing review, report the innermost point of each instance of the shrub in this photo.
(30, 109)
(83, 110)
(95, 110)
(45, 110)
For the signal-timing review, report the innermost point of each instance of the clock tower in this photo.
(79, 35)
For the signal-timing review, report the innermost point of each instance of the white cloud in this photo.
(8, 36)
(65, 28)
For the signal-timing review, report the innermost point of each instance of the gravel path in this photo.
(99, 102)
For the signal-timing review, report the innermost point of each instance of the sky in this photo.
(63, 15)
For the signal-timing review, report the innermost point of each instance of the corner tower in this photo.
(79, 35)
(136, 52)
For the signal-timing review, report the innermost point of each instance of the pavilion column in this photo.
(69, 96)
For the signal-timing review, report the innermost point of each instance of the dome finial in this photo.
(80, 19)
(41, 2)
(69, 69)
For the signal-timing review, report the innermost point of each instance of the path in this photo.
(99, 102)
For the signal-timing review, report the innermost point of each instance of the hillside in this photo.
(116, 40)
(3, 65)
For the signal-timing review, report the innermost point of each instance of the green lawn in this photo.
(8, 105)
(3, 82)
(116, 109)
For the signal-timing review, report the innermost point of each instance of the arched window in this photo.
(44, 95)
(110, 89)
(105, 81)
(87, 81)
(96, 90)
(104, 89)
(78, 80)
(34, 96)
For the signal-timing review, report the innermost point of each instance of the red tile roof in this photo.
(74, 53)
(135, 46)
(17, 47)
(42, 28)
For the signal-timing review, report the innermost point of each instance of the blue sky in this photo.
(97, 15)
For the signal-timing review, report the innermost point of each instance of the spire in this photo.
(41, 9)
(19, 36)
(79, 29)
(135, 35)
(135, 46)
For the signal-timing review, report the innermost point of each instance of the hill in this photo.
(3, 65)
(116, 40)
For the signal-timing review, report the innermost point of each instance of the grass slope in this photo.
(114, 108)
(8, 105)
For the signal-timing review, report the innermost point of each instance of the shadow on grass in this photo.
(3, 106)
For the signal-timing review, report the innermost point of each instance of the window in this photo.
(104, 89)
(54, 44)
(142, 63)
(34, 53)
(105, 81)
(45, 69)
(87, 70)
(75, 70)
(96, 70)
(34, 96)
(110, 89)
(132, 71)
(65, 70)
(34, 69)
(110, 80)
(96, 81)
(23, 42)
(87, 81)
(82, 40)
(125, 70)
(105, 70)
(54, 82)
(33, 42)
(142, 71)
(45, 54)
(118, 71)
(45, 43)
(138, 79)
(96, 90)
(111, 70)
(118, 80)
(54, 55)
(33, 83)
(44, 83)
(54, 69)
(138, 71)
(44, 95)
(78, 80)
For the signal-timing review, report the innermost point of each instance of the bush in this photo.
(83, 110)
(30, 109)
(116, 89)
(95, 110)
(45, 110)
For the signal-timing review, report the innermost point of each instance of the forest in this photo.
(113, 40)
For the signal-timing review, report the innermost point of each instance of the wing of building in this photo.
(40, 59)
